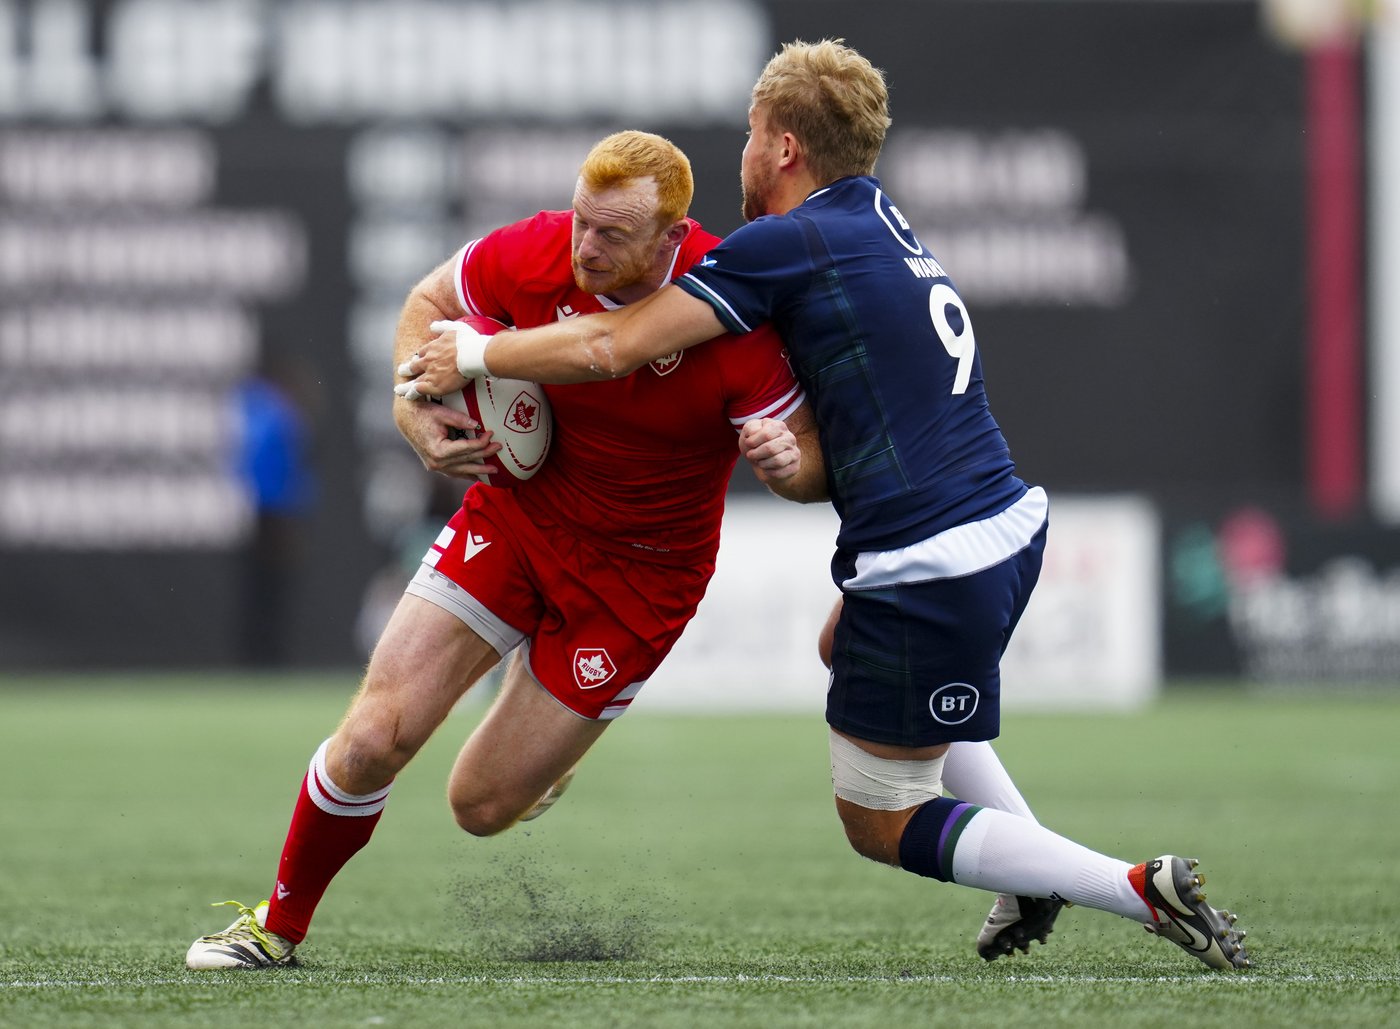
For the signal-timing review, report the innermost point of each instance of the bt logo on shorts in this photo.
(592, 667)
(954, 703)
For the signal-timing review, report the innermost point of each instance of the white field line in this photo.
(282, 978)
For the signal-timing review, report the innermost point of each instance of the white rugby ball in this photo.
(517, 413)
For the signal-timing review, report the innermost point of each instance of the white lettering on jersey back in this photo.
(925, 268)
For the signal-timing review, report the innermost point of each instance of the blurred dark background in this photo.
(210, 213)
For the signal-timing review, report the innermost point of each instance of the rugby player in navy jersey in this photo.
(940, 542)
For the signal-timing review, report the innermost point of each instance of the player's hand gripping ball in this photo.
(517, 413)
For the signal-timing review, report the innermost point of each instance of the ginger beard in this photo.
(620, 271)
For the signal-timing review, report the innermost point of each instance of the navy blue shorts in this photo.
(916, 664)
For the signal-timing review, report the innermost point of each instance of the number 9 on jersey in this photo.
(954, 328)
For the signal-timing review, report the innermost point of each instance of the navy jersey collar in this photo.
(831, 189)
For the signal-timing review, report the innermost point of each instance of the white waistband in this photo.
(961, 550)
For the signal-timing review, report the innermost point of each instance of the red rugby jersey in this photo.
(639, 463)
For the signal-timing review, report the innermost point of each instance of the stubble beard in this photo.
(750, 208)
(755, 198)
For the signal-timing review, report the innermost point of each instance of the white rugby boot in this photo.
(1172, 889)
(244, 944)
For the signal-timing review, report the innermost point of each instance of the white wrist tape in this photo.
(471, 347)
(471, 352)
(881, 783)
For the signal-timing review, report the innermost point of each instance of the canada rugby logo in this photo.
(592, 667)
(666, 365)
(524, 414)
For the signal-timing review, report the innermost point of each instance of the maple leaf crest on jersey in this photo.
(592, 667)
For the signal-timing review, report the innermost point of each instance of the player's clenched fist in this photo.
(768, 445)
(446, 440)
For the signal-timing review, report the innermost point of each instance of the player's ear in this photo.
(676, 233)
(790, 150)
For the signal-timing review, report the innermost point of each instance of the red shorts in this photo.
(594, 624)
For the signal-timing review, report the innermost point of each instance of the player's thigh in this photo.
(524, 744)
(424, 662)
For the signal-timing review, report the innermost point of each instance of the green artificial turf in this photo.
(694, 875)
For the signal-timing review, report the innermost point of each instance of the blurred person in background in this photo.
(273, 463)
(590, 570)
(940, 543)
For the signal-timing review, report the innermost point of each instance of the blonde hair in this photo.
(624, 156)
(832, 99)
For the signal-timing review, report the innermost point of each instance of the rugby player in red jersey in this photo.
(589, 570)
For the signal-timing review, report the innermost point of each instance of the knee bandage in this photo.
(881, 783)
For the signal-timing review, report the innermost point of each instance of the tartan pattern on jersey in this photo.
(910, 445)
(827, 368)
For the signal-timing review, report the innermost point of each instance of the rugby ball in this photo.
(517, 413)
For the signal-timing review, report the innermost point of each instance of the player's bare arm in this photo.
(599, 346)
(434, 430)
(786, 456)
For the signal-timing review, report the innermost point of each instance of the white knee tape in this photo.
(881, 783)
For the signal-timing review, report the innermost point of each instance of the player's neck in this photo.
(624, 295)
(792, 192)
(658, 276)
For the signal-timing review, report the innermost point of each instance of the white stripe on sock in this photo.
(331, 799)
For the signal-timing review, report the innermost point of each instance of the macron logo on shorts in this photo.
(592, 667)
(954, 703)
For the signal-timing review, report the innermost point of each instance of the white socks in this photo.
(1006, 853)
(973, 772)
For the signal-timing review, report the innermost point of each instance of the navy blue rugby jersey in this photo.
(885, 349)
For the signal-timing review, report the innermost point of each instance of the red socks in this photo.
(328, 827)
